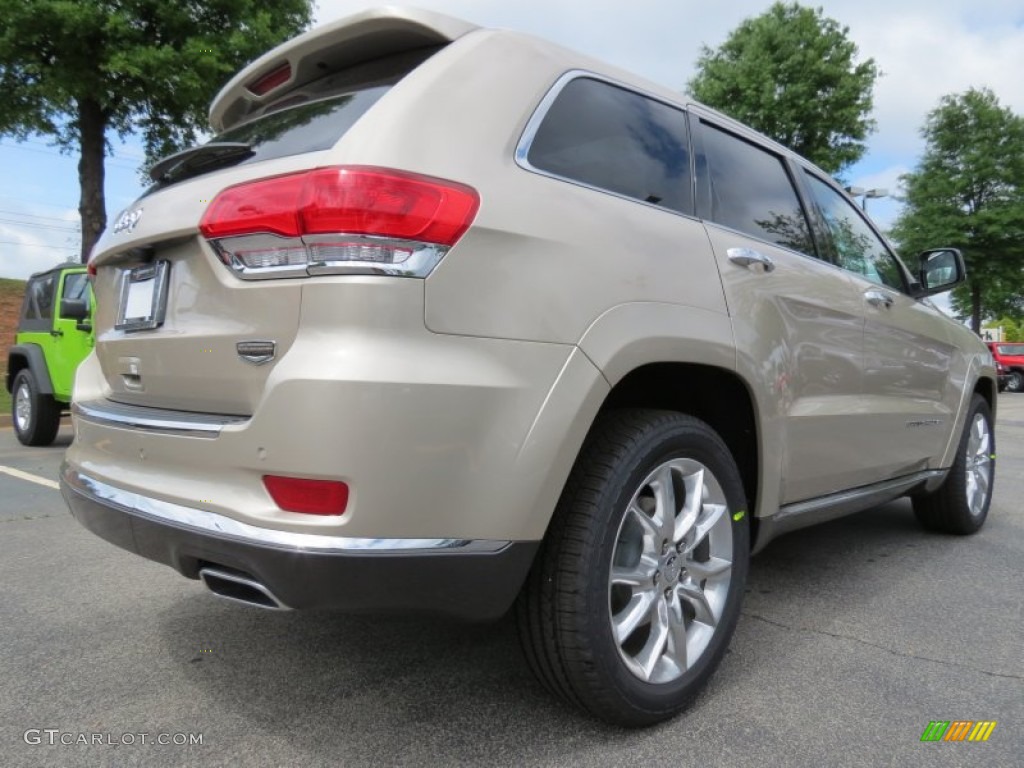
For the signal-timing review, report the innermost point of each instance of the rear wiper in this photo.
(190, 162)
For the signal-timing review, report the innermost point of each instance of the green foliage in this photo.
(1012, 329)
(791, 73)
(152, 65)
(75, 70)
(968, 193)
(1004, 296)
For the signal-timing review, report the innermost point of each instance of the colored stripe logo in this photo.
(958, 730)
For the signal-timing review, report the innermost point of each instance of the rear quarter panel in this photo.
(545, 257)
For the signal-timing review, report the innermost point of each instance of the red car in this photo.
(1009, 357)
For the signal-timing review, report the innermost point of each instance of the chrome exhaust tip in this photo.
(240, 589)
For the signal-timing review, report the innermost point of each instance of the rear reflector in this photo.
(310, 497)
(271, 80)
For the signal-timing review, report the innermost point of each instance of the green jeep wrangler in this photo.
(54, 336)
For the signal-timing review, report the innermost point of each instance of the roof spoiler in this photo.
(329, 48)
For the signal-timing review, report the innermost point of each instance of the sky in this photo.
(924, 48)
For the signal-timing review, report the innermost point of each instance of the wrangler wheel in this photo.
(36, 416)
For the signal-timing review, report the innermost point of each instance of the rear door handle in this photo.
(879, 299)
(749, 258)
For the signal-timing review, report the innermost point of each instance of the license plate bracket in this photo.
(142, 305)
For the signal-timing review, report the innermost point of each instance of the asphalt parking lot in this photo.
(854, 636)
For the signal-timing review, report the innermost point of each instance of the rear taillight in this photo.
(310, 497)
(350, 220)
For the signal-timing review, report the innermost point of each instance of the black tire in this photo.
(949, 509)
(565, 611)
(39, 419)
(1015, 382)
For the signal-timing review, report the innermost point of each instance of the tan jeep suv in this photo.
(448, 319)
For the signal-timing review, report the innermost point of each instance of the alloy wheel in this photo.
(979, 464)
(670, 571)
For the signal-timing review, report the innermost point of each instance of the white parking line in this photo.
(30, 477)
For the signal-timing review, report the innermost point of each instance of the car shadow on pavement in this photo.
(371, 689)
(388, 689)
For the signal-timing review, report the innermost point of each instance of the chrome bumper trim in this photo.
(211, 523)
(183, 423)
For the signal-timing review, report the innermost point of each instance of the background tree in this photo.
(1012, 330)
(968, 193)
(1005, 296)
(792, 74)
(76, 70)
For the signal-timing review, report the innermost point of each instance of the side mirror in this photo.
(74, 309)
(940, 269)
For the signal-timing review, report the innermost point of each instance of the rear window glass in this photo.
(303, 128)
(307, 127)
(310, 118)
(616, 140)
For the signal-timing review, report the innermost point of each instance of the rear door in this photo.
(71, 345)
(798, 320)
(914, 372)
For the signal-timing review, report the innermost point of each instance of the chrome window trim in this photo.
(182, 423)
(533, 125)
(207, 523)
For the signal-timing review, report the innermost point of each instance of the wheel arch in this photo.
(29, 356)
(666, 357)
(639, 355)
(716, 396)
(987, 388)
(982, 372)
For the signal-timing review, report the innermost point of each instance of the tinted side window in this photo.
(616, 140)
(751, 191)
(39, 298)
(858, 248)
(76, 286)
